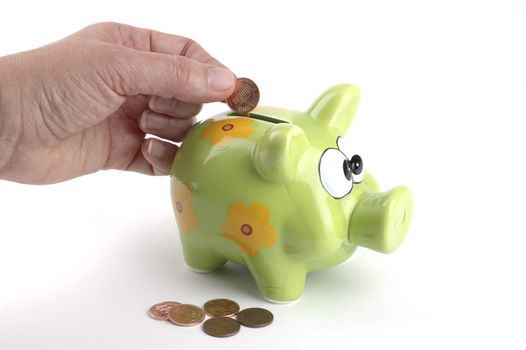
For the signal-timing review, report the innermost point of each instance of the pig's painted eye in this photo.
(355, 161)
(336, 173)
(356, 165)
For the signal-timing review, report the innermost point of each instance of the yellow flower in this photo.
(185, 215)
(221, 132)
(248, 227)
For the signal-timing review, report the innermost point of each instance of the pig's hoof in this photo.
(202, 262)
(199, 270)
(283, 302)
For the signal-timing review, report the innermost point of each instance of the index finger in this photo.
(150, 41)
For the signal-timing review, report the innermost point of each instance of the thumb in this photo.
(135, 72)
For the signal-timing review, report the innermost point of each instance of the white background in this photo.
(443, 106)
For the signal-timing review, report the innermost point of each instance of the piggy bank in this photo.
(276, 191)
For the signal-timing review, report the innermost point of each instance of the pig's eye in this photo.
(336, 173)
(356, 165)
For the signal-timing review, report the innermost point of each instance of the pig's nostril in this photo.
(398, 222)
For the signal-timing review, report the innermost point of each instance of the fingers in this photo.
(164, 126)
(149, 40)
(173, 107)
(159, 154)
(178, 45)
(168, 118)
(154, 158)
(129, 72)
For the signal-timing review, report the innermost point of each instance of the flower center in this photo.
(227, 127)
(179, 206)
(246, 229)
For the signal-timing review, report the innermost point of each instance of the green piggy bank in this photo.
(275, 190)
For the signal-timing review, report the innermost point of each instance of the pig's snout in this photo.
(380, 221)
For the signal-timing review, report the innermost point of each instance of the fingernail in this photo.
(155, 149)
(220, 79)
(153, 121)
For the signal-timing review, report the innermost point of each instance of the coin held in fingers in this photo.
(221, 307)
(186, 315)
(159, 311)
(245, 96)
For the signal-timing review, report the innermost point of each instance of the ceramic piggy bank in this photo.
(275, 190)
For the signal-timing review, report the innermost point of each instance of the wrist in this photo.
(8, 118)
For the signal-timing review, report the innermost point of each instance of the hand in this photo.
(85, 103)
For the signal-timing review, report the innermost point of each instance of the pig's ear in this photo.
(277, 153)
(335, 108)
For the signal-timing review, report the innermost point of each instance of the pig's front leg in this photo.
(380, 220)
(201, 259)
(279, 279)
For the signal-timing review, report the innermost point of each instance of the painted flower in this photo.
(248, 227)
(221, 132)
(185, 214)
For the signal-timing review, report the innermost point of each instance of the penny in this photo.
(221, 307)
(221, 327)
(160, 310)
(255, 317)
(245, 96)
(186, 315)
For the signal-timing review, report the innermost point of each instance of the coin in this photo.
(255, 317)
(221, 307)
(245, 96)
(160, 310)
(221, 327)
(186, 315)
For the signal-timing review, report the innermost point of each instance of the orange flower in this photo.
(185, 215)
(221, 132)
(248, 227)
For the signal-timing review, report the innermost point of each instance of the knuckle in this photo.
(189, 45)
(112, 59)
(118, 67)
(102, 27)
(156, 171)
(108, 25)
(181, 68)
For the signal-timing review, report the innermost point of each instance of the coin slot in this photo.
(266, 118)
(261, 117)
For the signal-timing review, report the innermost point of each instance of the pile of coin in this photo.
(221, 311)
(245, 96)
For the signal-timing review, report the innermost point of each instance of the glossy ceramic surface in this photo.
(274, 191)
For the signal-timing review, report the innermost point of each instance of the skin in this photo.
(86, 103)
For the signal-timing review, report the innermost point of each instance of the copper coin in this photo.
(245, 96)
(255, 317)
(186, 315)
(160, 310)
(221, 307)
(221, 327)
